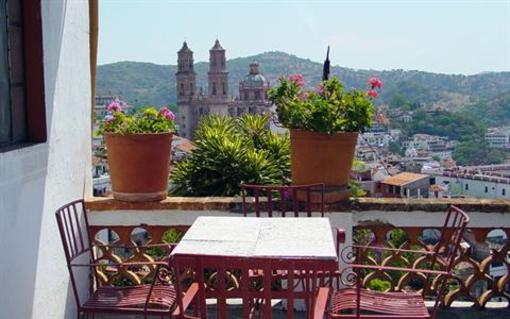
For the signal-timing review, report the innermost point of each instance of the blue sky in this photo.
(454, 36)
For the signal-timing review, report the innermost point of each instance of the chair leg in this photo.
(196, 304)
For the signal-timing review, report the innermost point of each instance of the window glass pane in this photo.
(5, 108)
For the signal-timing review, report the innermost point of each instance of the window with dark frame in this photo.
(22, 112)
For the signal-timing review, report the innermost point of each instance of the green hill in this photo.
(152, 84)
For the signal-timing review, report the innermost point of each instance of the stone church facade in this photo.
(193, 103)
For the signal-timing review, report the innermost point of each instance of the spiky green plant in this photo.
(231, 151)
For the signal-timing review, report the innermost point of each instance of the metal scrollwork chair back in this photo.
(355, 301)
(157, 298)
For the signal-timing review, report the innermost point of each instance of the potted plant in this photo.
(138, 150)
(324, 124)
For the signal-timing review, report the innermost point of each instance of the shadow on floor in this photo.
(456, 313)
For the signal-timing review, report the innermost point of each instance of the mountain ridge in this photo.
(147, 83)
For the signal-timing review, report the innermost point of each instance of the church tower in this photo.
(186, 86)
(218, 79)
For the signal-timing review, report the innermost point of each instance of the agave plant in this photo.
(231, 151)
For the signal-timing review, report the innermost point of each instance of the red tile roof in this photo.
(404, 178)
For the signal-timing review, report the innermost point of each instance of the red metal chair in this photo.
(227, 277)
(359, 302)
(157, 298)
(289, 201)
(284, 200)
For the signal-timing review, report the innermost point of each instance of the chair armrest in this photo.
(388, 268)
(321, 300)
(423, 252)
(187, 298)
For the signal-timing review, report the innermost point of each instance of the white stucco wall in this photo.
(36, 180)
(476, 188)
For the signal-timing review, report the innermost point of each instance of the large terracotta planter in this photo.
(139, 165)
(323, 158)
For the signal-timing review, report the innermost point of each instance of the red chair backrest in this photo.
(73, 227)
(300, 198)
(451, 235)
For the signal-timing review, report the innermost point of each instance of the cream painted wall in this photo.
(36, 180)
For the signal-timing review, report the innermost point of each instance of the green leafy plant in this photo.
(231, 151)
(379, 285)
(328, 109)
(171, 236)
(143, 121)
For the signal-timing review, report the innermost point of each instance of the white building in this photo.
(395, 134)
(50, 164)
(498, 137)
(375, 139)
(429, 146)
(474, 185)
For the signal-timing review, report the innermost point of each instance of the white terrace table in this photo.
(292, 239)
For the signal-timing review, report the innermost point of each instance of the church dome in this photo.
(254, 79)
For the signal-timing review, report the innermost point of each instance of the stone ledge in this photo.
(431, 204)
(170, 203)
(354, 204)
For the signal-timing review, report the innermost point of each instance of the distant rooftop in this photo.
(404, 179)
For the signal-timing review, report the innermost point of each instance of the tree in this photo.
(396, 148)
(477, 152)
(456, 126)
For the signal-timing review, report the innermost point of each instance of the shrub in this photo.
(379, 285)
(231, 151)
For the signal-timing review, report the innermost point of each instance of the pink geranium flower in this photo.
(114, 106)
(303, 96)
(298, 79)
(320, 88)
(165, 111)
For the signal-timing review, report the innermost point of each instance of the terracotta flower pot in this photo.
(323, 158)
(139, 165)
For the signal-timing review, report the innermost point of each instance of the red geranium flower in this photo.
(375, 82)
(372, 93)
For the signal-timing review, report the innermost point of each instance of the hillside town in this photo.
(394, 164)
(421, 167)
